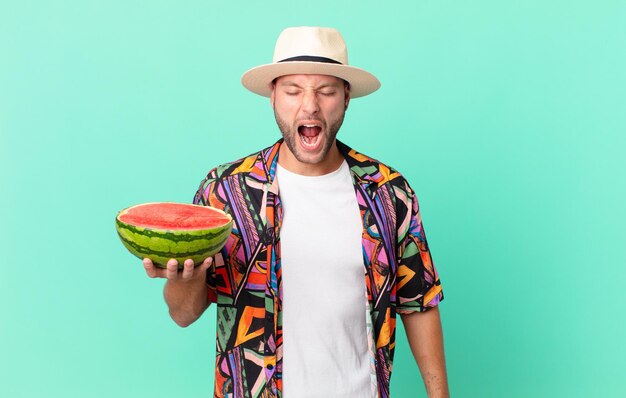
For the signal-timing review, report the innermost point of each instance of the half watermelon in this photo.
(164, 230)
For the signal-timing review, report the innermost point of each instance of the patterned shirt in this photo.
(245, 279)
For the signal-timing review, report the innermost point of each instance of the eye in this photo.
(328, 93)
(291, 92)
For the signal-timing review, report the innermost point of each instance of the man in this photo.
(327, 246)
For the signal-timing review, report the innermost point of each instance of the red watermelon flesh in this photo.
(174, 216)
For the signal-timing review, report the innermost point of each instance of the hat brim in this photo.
(259, 79)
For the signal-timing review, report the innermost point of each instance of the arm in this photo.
(186, 293)
(423, 330)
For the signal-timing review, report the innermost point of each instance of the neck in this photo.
(330, 163)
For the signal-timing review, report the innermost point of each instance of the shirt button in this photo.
(270, 367)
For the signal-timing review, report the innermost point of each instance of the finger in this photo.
(149, 267)
(188, 269)
(172, 269)
(206, 264)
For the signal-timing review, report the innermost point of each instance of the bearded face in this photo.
(309, 111)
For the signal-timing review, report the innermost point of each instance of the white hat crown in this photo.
(311, 41)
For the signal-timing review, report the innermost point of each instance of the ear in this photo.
(273, 87)
(347, 97)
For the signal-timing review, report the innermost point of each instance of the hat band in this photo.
(310, 58)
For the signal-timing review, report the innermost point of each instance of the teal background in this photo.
(508, 118)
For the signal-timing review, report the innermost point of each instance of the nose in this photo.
(309, 102)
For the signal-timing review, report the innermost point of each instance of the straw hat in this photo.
(310, 50)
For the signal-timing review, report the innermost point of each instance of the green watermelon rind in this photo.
(161, 245)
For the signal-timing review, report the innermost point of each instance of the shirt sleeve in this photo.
(206, 192)
(418, 287)
(206, 196)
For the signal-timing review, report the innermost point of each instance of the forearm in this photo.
(187, 300)
(425, 338)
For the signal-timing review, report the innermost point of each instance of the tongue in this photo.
(310, 131)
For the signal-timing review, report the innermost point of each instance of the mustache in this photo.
(306, 120)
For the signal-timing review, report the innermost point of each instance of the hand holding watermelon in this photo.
(176, 242)
(172, 272)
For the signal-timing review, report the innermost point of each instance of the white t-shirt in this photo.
(325, 343)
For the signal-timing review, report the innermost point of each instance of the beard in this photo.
(291, 135)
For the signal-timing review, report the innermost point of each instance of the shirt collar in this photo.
(365, 170)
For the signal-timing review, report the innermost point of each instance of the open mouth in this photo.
(309, 135)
